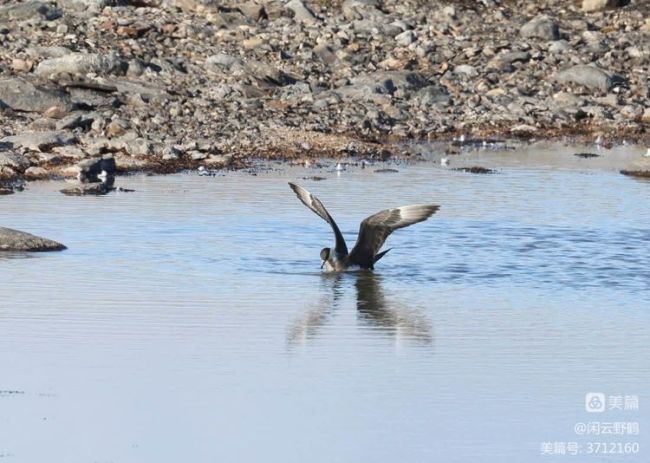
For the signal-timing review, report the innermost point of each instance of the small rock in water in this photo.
(14, 240)
(587, 155)
(637, 173)
(315, 178)
(94, 189)
(386, 171)
(475, 170)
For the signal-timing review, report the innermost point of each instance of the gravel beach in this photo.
(164, 85)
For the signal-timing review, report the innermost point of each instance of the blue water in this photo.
(188, 321)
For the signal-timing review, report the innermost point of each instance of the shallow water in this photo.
(188, 321)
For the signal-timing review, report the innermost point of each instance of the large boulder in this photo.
(13, 160)
(588, 76)
(33, 9)
(300, 12)
(40, 141)
(21, 95)
(81, 64)
(14, 240)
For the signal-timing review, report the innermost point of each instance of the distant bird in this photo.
(372, 233)
(599, 140)
(339, 167)
(444, 161)
(647, 154)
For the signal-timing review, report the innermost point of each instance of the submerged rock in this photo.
(637, 173)
(14, 240)
(93, 189)
(475, 170)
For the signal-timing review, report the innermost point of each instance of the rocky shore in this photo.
(164, 85)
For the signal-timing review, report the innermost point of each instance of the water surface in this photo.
(188, 321)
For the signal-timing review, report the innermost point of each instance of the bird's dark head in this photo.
(324, 255)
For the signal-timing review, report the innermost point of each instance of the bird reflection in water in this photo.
(372, 308)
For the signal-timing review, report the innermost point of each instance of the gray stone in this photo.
(82, 5)
(542, 27)
(433, 95)
(41, 52)
(252, 10)
(36, 173)
(40, 141)
(82, 63)
(405, 38)
(503, 62)
(18, 241)
(589, 6)
(301, 12)
(95, 189)
(361, 9)
(378, 86)
(589, 76)
(269, 73)
(33, 9)
(223, 61)
(14, 161)
(325, 53)
(466, 70)
(21, 95)
(74, 121)
(391, 81)
(138, 147)
(559, 46)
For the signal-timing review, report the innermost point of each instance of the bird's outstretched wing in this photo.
(313, 203)
(375, 229)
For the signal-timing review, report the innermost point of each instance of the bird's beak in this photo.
(322, 265)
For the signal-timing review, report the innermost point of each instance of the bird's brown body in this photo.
(372, 233)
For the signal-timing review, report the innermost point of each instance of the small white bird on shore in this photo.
(339, 167)
(444, 161)
(647, 154)
(599, 140)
